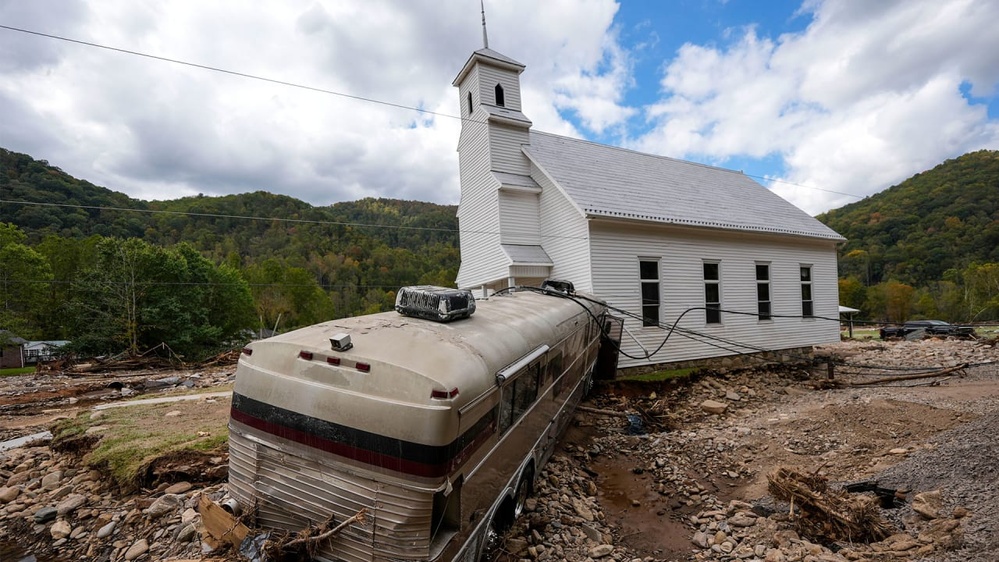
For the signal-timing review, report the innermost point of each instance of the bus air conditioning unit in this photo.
(435, 303)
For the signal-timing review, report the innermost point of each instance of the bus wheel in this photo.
(523, 491)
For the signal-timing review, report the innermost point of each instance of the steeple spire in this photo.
(485, 38)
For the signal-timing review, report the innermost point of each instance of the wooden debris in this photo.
(826, 514)
(220, 525)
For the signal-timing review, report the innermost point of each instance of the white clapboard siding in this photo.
(482, 258)
(564, 235)
(617, 248)
(518, 212)
(505, 146)
(488, 77)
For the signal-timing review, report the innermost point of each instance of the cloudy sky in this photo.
(824, 101)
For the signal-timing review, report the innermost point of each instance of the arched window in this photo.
(499, 96)
(469, 103)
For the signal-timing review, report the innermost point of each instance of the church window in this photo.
(499, 96)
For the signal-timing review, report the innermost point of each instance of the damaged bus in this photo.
(436, 421)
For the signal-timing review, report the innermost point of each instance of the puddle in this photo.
(644, 517)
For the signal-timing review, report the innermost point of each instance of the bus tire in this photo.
(523, 492)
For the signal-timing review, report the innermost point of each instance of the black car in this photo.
(929, 327)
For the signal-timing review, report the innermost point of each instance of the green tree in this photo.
(136, 296)
(899, 300)
(25, 276)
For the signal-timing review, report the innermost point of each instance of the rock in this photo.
(601, 551)
(902, 546)
(164, 504)
(581, 509)
(898, 451)
(60, 529)
(959, 512)
(71, 503)
(592, 533)
(713, 407)
(720, 537)
(733, 396)
(51, 480)
(45, 514)
(138, 549)
(775, 556)
(516, 545)
(61, 492)
(172, 414)
(8, 493)
(105, 531)
(189, 515)
(186, 533)
(700, 538)
(928, 504)
(179, 488)
(742, 520)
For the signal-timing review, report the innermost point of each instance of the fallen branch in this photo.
(939, 373)
(356, 518)
(305, 544)
(598, 411)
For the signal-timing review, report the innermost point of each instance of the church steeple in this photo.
(485, 38)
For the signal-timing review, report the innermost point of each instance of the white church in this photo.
(664, 239)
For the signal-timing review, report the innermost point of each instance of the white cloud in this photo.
(866, 96)
(862, 98)
(159, 130)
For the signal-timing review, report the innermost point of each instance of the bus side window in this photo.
(526, 391)
(518, 395)
(554, 368)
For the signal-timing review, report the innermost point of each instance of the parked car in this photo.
(929, 327)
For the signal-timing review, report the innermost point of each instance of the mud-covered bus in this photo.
(436, 429)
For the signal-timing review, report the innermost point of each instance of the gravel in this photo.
(963, 467)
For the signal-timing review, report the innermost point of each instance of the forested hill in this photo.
(42, 200)
(943, 219)
(300, 263)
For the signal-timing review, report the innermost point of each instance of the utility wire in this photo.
(323, 90)
(268, 219)
(231, 72)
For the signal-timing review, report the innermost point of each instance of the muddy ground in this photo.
(678, 482)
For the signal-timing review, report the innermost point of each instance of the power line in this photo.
(765, 178)
(268, 219)
(231, 72)
(323, 90)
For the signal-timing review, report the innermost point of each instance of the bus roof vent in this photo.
(435, 303)
(559, 286)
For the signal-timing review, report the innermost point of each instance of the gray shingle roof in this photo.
(523, 254)
(615, 182)
(491, 57)
(516, 180)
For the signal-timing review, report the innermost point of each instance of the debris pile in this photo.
(825, 514)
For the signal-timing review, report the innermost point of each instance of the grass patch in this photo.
(124, 442)
(660, 376)
(17, 371)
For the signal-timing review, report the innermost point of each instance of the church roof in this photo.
(488, 56)
(606, 181)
